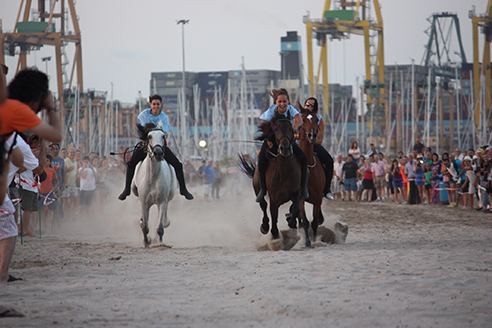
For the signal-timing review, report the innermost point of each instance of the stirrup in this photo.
(261, 195)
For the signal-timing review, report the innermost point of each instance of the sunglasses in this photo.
(309, 105)
(5, 69)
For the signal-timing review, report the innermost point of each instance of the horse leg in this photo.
(274, 216)
(305, 222)
(163, 220)
(291, 217)
(144, 224)
(316, 219)
(321, 218)
(265, 224)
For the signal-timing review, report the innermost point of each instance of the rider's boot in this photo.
(327, 189)
(263, 188)
(130, 171)
(182, 185)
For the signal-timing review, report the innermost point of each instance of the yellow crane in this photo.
(350, 17)
(485, 22)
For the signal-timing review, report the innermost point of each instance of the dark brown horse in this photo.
(283, 176)
(316, 182)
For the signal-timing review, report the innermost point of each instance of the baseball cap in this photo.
(467, 158)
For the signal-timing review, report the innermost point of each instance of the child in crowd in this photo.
(470, 181)
(428, 182)
(47, 199)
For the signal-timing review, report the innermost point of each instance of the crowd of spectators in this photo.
(421, 177)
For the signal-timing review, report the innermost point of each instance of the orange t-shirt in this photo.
(403, 175)
(47, 184)
(16, 116)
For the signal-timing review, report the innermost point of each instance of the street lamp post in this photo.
(46, 60)
(184, 139)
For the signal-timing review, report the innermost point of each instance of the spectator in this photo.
(446, 180)
(470, 181)
(419, 178)
(88, 175)
(46, 192)
(29, 200)
(413, 194)
(372, 150)
(436, 170)
(63, 153)
(459, 154)
(378, 170)
(388, 176)
(419, 146)
(428, 182)
(71, 193)
(397, 180)
(28, 87)
(349, 177)
(59, 167)
(189, 172)
(355, 152)
(217, 181)
(337, 172)
(208, 177)
(457, 182)
(367, 181)
(404, 190)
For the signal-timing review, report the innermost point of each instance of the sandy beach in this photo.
(402, 266)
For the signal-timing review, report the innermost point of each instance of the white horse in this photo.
(155, 180)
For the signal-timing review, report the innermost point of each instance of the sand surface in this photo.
(402, 266)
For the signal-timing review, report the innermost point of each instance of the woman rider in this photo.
(281, 100)
(154, 114)
(311, 104)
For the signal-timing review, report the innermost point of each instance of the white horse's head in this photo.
(156, 142)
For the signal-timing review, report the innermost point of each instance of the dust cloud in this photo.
(232, 221)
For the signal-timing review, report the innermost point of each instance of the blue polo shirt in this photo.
(270, 113)
(161, 120)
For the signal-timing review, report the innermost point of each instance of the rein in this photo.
(284, 136)
(150, 149)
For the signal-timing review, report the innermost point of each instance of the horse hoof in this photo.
(264, 229)
(308, 244)
(147, 241)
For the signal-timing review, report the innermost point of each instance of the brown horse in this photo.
(283, 176)
(316, 182)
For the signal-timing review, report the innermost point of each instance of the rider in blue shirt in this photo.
(281, 100)
(154, 114)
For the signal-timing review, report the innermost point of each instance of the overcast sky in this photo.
(123, 41)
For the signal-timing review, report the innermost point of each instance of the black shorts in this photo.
(368, 184)
(29, 200)
(428, 187)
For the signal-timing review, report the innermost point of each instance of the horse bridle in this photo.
(306, 134)
(284, 136)
(153, 148)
